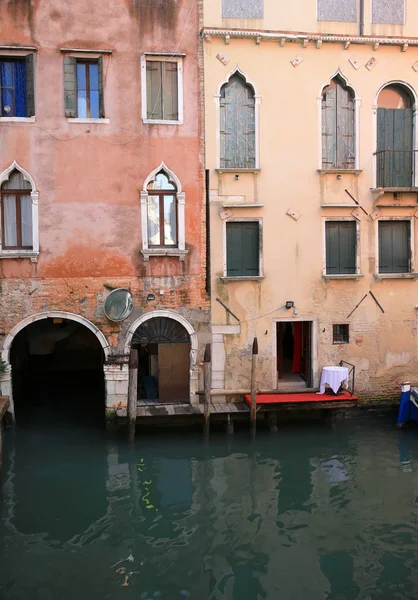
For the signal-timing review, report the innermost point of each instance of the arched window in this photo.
(237, 124)
(162, 213)
(19, 213)
(338, 126)
(395, 141)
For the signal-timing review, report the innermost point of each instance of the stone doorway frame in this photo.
(6, 381)
(193, 366)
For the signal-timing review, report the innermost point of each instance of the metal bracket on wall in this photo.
(228, 310)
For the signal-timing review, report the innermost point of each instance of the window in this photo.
(395, 138)
(242, 9)
(341, 247)
(237, 124)
(162, 96)
(392, 12)
(243, 249)
(17, 86)
(162, 212)
(16, 213)
(394, 246)
(337, 11)
(340, 334)
(83, 88)
(338, 126)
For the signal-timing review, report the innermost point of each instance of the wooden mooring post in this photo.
(132, 394)
(253, 408)
(207, 384)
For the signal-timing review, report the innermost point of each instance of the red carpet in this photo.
(302, 397)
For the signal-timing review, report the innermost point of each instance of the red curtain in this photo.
(297, 347)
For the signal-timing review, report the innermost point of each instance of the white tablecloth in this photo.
(334, 377)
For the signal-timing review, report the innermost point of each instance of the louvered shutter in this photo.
(101, 88)
(329, 130)
(394, 246)
(242, 243)
(30, 85)
(341, 247)
(237, 126)
(154, 91)
(70, 87)
(170, 91)
(345, 129)
(395, 136)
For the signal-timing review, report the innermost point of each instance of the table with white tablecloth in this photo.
(334, 377)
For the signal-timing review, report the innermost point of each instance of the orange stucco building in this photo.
(102, 182)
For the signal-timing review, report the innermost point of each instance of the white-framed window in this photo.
(163, 215)
(162, 88)
(84, 87)
(395, 246)
(341, 247)
(243, 244)
(17, 87)
(19, 214)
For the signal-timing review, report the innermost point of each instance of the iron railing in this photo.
(352, 373)
(395, 168)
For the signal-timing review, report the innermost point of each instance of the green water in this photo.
(310, 513)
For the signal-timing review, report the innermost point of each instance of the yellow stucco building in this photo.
(311, 152)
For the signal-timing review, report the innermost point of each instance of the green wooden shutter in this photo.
(340, 247)
(101, 87)
(154, 90)
(237, 127)
(329, 130)
(170, 91)
(30, 85)
(70, 87)
(394, 246)
(395, 136)
(345, 129)
(242, 245)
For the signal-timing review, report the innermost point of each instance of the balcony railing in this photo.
(396, 168)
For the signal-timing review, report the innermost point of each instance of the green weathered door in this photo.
(394, 247)
(395, 138)
(242, 249)
(340, 247)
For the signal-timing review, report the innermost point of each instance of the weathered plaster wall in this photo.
(301, 16)
(89, 176)
(382, 345)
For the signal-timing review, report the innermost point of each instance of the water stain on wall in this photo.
(154, 13)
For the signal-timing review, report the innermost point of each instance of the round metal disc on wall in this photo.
(118, 305)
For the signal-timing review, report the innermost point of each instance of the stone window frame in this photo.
(217, 99)
(21, 253)
(180, 250)
(16, 52)
(260, 275)
(411, 274)
(358, 273)
(357, 104)
(160, 57)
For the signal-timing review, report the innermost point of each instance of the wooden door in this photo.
(394, 147)
(306, 362)
(173, 372)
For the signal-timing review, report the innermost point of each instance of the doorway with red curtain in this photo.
(294, 352)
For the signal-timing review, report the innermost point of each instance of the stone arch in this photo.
(57, 314)
(172, 177)
(238, 71)
(411, 90)
(340, 74)
(168, 314)
(4, 176)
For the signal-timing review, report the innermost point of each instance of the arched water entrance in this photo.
(163, 346)
(57, 369)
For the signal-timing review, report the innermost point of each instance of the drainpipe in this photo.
(361, 29)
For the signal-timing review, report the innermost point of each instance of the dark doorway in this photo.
(163, 346)
(294, 353)
(57, 374)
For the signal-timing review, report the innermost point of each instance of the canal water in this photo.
(310, 513)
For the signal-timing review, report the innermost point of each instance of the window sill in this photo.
(238, 170)
(340, 171)
(399, 190)
(379, 276)
(350, 276)
(242, 278)
(89, 121)
(161, 122)
(18, 254)
(17, 119)
(147, 252)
